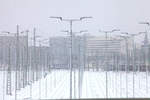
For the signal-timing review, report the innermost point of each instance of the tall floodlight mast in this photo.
(146, 45)
(106, 55)
(82, 31)
(70, 21)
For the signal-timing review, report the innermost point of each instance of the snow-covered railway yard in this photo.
(56, 85)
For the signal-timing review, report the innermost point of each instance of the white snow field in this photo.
(56, 85)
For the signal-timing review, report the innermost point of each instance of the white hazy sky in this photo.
(107, 14)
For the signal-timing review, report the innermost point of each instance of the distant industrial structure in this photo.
(93, 52)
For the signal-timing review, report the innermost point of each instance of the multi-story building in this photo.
(100, 52)
(8, 50)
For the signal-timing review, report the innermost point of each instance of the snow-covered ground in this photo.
(56, 85)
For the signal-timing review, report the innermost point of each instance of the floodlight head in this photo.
(125, 37)
(134, 34)
(147, 23)
(122, 36)
(65, 31)
(22, 32)
(83, 31)
(125, 33)
(6, 32)
(142, 32)
(85, 17)
(114, 30)
(56, 17)
(138, 33)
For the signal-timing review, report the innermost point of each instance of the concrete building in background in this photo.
(99, 50)
(60, 51)
(8, 50)
(92, 52)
